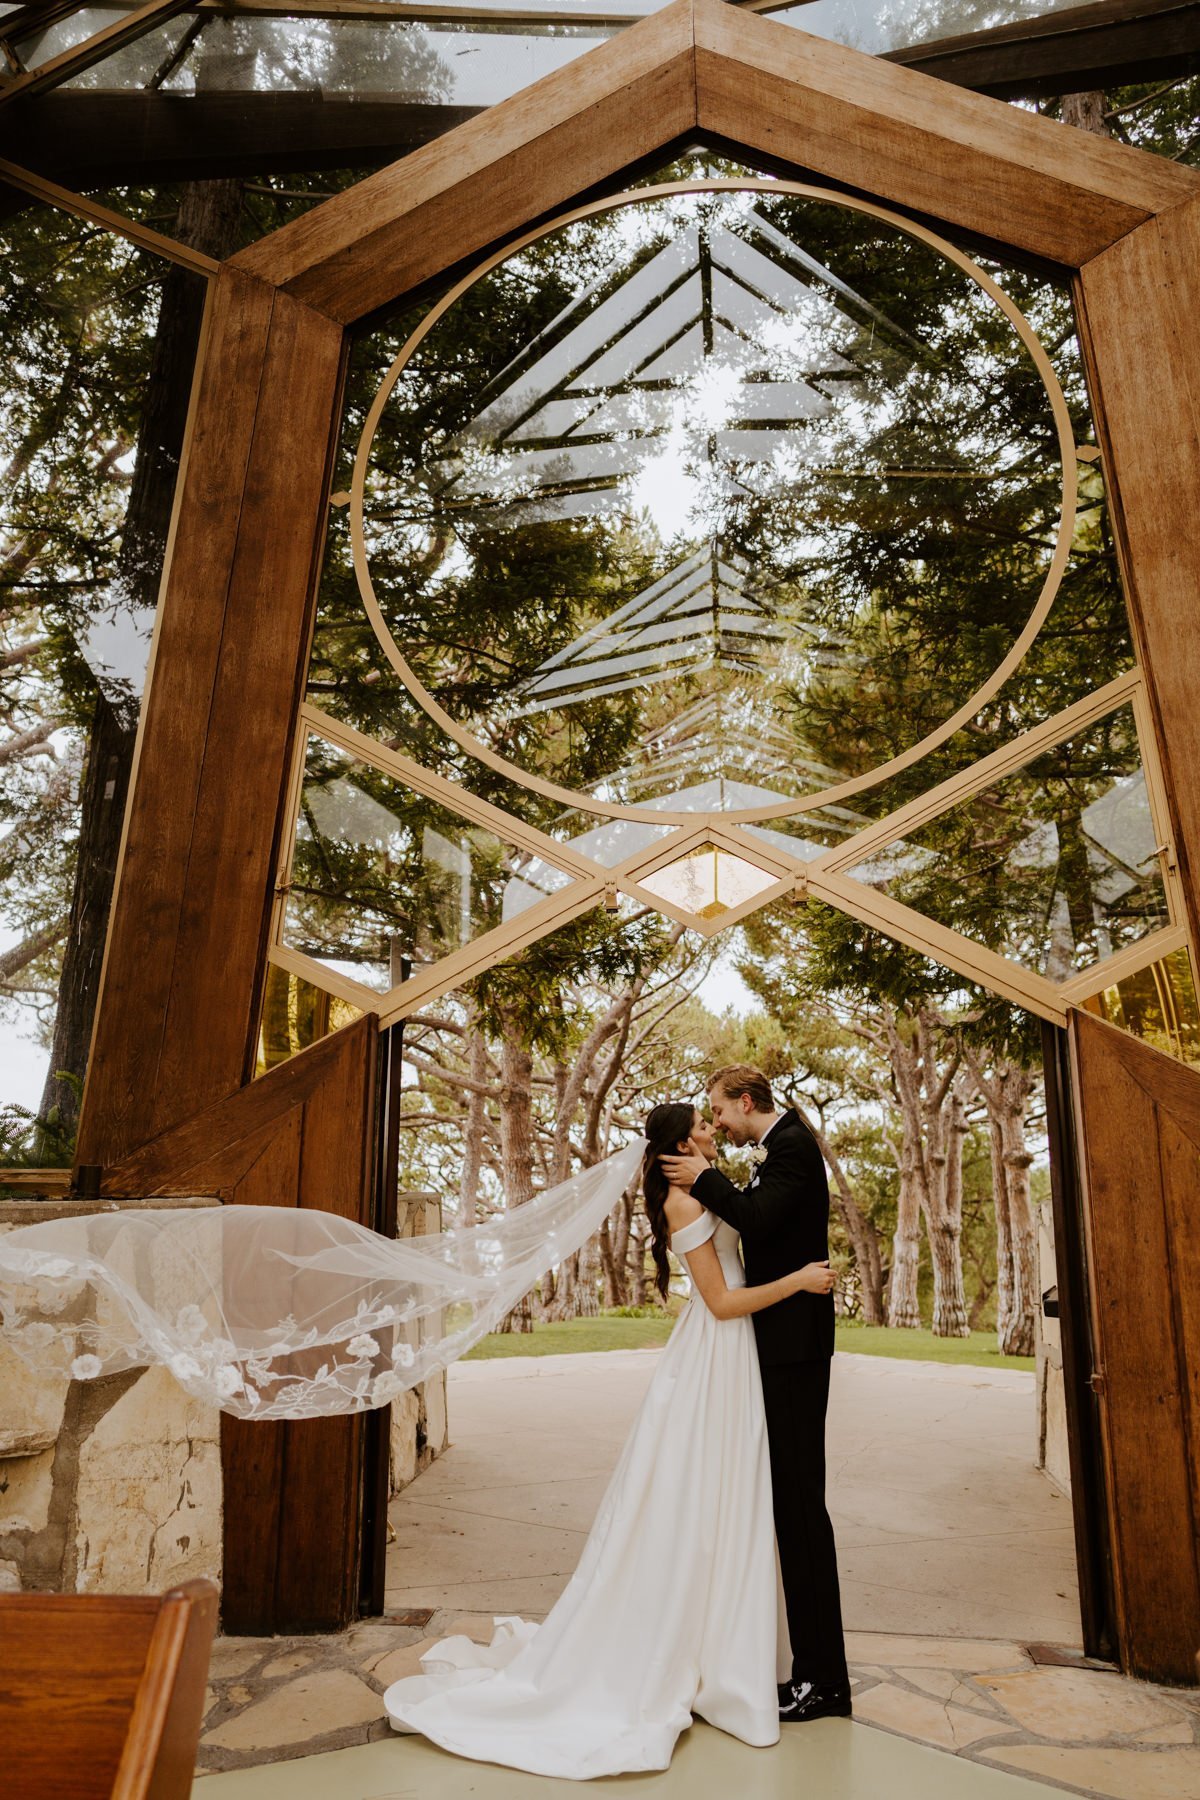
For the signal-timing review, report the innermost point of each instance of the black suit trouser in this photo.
(796, 1396)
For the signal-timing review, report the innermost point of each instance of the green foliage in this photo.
(31, 1140)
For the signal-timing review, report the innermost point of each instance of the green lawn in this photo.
(612, 1332)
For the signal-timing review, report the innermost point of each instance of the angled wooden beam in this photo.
(63, 200)
(1102, 45)
(1137, 305)
(125, 30)
(522, 158)
(1030, 183)
(185, 955)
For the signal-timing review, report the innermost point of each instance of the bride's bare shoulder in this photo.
(681, 1209)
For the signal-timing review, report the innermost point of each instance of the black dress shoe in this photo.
(800, 1701)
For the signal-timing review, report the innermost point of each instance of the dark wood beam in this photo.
(1109, 44)
(90, 139)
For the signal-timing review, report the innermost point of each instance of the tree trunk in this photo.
(207, 220)
(864, 1239)
(476, 1125)
(516, 1143)
(903, 1308)
(1005, 1093)
(1085, 112)
(944, 1222)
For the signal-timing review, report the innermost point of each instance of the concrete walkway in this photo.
(956, 1556)
(943, 1524)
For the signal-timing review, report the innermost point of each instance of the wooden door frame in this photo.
(187, 941)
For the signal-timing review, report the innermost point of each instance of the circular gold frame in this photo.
(570, 797)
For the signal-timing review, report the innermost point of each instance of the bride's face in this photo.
(703, 1137)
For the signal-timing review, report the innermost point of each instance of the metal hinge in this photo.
(1097, 1382)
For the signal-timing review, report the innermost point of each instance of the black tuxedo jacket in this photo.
(783, 1216)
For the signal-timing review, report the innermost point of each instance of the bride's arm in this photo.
(721, 1300)
(725, 1302)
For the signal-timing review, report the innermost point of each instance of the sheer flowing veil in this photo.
(281, 1313)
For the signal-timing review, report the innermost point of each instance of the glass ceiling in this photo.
(466, 53)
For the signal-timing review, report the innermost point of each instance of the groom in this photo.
(783, 1218)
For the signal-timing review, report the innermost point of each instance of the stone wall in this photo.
(109, 1486)
(1053, 1456)
(114, 1486)
(419, 1424)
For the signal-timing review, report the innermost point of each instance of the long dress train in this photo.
(672, 1611)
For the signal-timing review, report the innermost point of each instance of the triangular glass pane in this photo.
(707, 882)
(381, 874)
(1054, 866)
(1157, 1004)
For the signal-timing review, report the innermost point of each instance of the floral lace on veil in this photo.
(279, 1312)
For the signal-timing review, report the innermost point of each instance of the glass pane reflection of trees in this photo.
(703, 489)
(1054, 866)
(380, 873)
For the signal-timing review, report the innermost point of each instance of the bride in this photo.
(671, 1613)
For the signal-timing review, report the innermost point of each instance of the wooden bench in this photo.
(102, 1696)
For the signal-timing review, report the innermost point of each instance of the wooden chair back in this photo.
(101, 1696)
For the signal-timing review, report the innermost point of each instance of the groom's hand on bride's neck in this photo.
(682, 1171)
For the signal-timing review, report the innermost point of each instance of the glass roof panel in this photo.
(42, 45)
(435, 63)
(817, 453)
(867, 25)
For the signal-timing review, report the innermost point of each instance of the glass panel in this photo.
(865, 25)
(1055, 866)
(295, 1014)
(86, 507)
(708, 882)
(1157, 1004)
(381, 873)
(433, 64)
(700, 478)
(40, 47)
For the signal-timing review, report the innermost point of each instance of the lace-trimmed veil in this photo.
(277, 1312)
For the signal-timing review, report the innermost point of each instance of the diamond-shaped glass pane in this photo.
(707, 882)
(381, 874)
(1054, 866)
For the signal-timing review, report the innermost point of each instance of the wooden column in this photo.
(184, 960)
(1139, 1126)
(1138, 305)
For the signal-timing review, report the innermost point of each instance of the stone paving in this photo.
(496, 1525)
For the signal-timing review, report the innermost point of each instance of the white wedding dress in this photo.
(673, 1611)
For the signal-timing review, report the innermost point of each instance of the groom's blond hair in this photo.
(742, 1078)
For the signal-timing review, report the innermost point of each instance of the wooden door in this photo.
(1138, 1129)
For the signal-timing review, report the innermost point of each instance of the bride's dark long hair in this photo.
(666, 1128)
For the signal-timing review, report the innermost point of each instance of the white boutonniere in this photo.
(758, 1154)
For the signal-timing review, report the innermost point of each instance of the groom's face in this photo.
(730, 1116)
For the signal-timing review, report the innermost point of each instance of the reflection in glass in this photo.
(1158, 1005)
(697, 477)
(296, 1014)
(1054, 866)
(381, 873)
(865, 25)
(438, 62)
(707, 882)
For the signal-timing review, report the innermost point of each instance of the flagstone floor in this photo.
(956, 1557)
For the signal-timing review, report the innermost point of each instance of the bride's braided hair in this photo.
(666, 1128)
